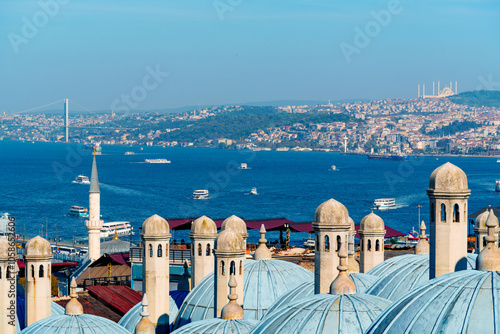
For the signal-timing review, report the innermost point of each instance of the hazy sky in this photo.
(117, 53)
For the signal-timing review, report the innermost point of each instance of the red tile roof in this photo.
(119, 297)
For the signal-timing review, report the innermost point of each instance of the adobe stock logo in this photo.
(31, 28)
(372, 29)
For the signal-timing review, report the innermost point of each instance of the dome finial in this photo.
(73, 307)
(489, 258)
(232, 310)
(116, 235)
(422, 246)
(262, 252)
(145, 326)
(343, 284)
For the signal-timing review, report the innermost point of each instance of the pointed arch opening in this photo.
(207, 253)
(232, 268)
(443, 212)
(150, 250)
(32, 271)
(377, 245)
(369, 244)
(222, 268)
(199, 249)
(327, 243)
(40, 271)
(456, 213)
(339, 243)
(160, 253)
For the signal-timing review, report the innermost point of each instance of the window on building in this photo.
(40, 271)
(199, 249)
(32, 271)
(208, 250)
(327, 243)
(443, 213)
(232, 268)
(339, 242)
(456, 213)
(377, 245)
(222, 268)
(369, 245)
(159, 251)
(150, 250)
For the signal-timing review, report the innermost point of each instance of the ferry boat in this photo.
(254, 191)
(309, 243)
(387, 157)
(79, 211)
(497, 186)
(81, 179)
(243, 165)
(200, 194)
(157, 161)
(384, 203)
(122, 228)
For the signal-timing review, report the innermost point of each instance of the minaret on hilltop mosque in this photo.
(94, 223)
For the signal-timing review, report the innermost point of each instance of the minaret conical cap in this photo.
(232, 310)
(489, 258)
(94, 179)
(422, 246)
(262, 252)
(145, 326)
(343, 284)
(73, 307)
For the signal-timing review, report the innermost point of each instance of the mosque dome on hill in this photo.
(115, 246)
(264, 282)
(133, 316)
(401, 274)
(460, 302)
(324, 313)
(361, 281)
(216, 326)
(83, 324)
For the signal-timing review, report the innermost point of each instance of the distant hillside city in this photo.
(467, 123)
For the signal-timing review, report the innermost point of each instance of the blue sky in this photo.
(230, 51)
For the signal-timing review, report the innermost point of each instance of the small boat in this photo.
(498, 160)
(129, 153)
(79, 211)
(333, 168)
(243, 165)
(309, 243)
(121, 228)
(81, 179)
(157, 161)
(253, 191)
(200, 194)
(384, 203)
(497, 186)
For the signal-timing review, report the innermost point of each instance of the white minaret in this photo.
(239, 226)
(155, 270)
(448, 194)
(331, 226)
(229, 258)
(371, 234)
(38, 275)
(481, 230)
(7, 296)
(203, 234)
(94, 223)
(353, 265)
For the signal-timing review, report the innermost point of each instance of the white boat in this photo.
(243, 165)
(254, 191)
(4, 222)
(81, 179)
(129, 153)
(157, 161)
(122, 229)
(498, 160)
(200, 194)
(79, 211)
(309, 243)
(333, 168)
(497, 186)
(384, 203)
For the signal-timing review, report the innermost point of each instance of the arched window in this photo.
(369, 245)
(40, 271)
(339, 242)
(327, 243)
(150, 250)
(32, 271)
(232, 268)
(0, 272)
(361, 245)
(377, 245)
(192, 250)
(159, 251)
(317, 242)
(222, 268)
(443, 213)
(241, 267)
(199, 249)
(456, 213)
(433, 212)
(208, 250)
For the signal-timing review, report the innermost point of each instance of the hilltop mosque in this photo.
(441, 288)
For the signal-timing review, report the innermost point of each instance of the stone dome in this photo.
(38, 247)
(204, 225)
(4, 248)
(465, 301)
(237, 224)
(156, 226)
(480, 221)
(133, 316)
(264, 282)
(372, 223)
(229, 241)
(305, 290)
(83, 324)
(401, 274)
(332, 213)
(352, 225)
(448, 178)
(217, 326)
(324, 313)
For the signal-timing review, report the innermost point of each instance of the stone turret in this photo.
(262, 252)
(38, 255)
(238, 225)
(73, 307)
(331, 226)
(145, 326)
(448, 193)
(94, 223)
(156, 237)
(229, 258)
(371, 233)
(422, 246)
(203, 234)
(232, 310)
(481, 230)
(351, 261)
(8, 271)
(489, 258)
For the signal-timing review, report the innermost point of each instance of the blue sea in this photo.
(36, 187)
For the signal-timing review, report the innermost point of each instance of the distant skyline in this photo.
(160, 55)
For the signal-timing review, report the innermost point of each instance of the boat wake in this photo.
(121, 190)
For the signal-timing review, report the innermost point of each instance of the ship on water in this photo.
(393, 157)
